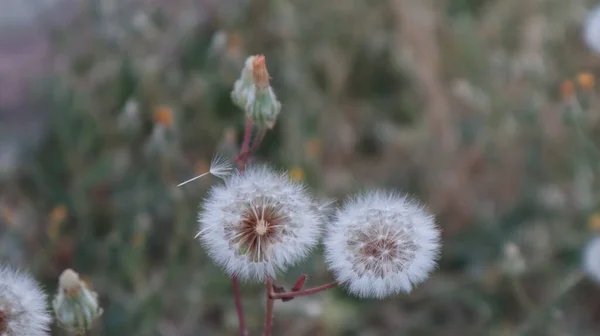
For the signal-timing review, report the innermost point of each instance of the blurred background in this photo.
(486, 110)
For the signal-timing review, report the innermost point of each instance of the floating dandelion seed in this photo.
(381, 244)
(22, 305)
(259, 222)
(220, 167)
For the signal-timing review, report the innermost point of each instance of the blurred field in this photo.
(486, 110)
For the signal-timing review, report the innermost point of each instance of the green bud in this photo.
(75, 306)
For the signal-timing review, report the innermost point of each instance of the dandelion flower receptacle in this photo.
(381, 244)
(23, 309)
(75, 306)
(258, 223)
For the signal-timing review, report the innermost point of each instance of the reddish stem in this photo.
(238, 306)
(300, 283)
(270, 304)
(243, 156)
(304, 292)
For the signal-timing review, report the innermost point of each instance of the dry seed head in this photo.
(381, 244)
(22, 305)
(258, 222)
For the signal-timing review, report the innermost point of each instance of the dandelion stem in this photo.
(246, 144)
(270, 304)
(304, 292)
(238, 306)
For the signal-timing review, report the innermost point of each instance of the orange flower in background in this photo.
(7, 213)
(312, 148)
(163, 115)
(59, 213)
(55, 220)
(567, 89)
(259, 71)
(297, 174)
(594, 222)
(586, 80)
(234, 42)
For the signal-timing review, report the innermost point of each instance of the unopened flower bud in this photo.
(253, 94)
(514, 263)
(75, 305)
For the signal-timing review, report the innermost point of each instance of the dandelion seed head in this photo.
(258, 223)
(22, 305)
(381, 244)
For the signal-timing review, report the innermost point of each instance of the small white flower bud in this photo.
(381, 244)
(75, 305)
(22, 305)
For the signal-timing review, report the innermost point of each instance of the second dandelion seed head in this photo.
(381, 244)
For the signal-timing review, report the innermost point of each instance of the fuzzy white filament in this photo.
(257, 223)
(591, 29)
(591, 259)
(220, 167)
(22, 305)
(381, 244)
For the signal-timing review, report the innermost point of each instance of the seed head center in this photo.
(261, 227)
(3, 322)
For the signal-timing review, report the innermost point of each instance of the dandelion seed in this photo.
(381, 244)
(220, 167)
(259, 222)
(22, 305)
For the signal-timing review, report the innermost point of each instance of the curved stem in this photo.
(246, 143)
(304, 292)
(270, 304)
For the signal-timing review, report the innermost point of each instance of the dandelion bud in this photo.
(75, 305)
(257, 223)
(22, 305)
(259, 72)
(252, 93)
(381, 244)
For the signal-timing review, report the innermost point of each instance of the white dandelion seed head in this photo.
(258, 223)
(22, 305)
(591, 29)
(591, 259)
(381, 244)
